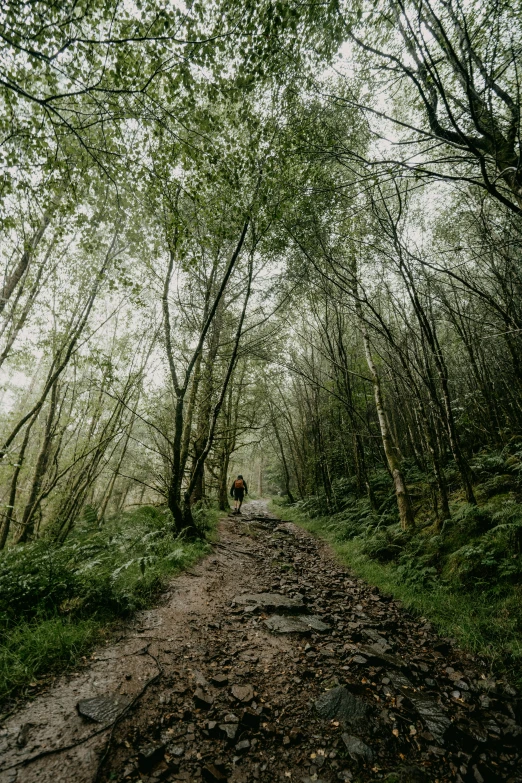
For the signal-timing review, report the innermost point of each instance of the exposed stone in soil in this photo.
(357, 749)
(103, 709)
(270, 602)
(216, 692)
(338, 704)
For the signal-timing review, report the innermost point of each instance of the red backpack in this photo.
(239, 484)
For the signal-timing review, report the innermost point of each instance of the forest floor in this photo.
(269, 661)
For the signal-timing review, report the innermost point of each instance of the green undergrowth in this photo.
(58, 602)
(466, 578)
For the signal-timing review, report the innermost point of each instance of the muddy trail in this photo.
(270, 662)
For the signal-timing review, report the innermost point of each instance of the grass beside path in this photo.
(483, 621)
(58, 602)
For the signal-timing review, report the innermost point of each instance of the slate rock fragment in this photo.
(212, 728)
(315, 623)
(175, 750)
(103, 709)
(377, 655)
(358, 750)
(302, 624)
(229, 731)
(436, 721)
(280, 624)
(270, 602)
(202, 699)
(200, 679)
(149, 756)
(23, 734)
(211, 774)
(339, 704)
(376, 638)
(243, 693)
(219, 679)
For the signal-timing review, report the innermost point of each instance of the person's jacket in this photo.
(232, 488)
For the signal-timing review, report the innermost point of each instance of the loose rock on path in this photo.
(270, 662)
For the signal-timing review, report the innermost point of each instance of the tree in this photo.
(461, 63)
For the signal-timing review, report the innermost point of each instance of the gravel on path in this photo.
(267, 662)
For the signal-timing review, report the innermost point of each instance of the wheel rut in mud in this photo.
(270, 661)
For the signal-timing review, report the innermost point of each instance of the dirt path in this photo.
(324, 679)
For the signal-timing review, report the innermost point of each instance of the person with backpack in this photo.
(238, 491)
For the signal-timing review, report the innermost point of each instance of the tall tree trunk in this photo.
(26, 528)
(284, 462)
(112, 481)
(64, 355)
(178, 502)
(10, 514)
(15, 328)
(406, 515)
(187, 513)
(16, 275)
(429, 330)
(223, 483)
(205, 406)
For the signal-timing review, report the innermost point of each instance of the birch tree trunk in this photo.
(406, 514)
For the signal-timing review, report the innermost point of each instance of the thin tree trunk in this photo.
(179, 508)
(10, 515)
(406, 515)
(26, 258)
(57, 369)
(40, 470)
(16, 328)
(286, 472)
(112, 482)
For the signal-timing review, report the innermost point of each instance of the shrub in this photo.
(97, 574)
(470, 520)
(496, 485)
(487, 463)
(382, 549)
(473, 565)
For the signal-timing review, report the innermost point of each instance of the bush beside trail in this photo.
(57, 601)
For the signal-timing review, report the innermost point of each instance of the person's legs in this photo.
(240, 501)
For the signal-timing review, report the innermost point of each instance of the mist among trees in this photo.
(275, 238)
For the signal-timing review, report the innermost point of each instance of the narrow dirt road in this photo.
(270, 662)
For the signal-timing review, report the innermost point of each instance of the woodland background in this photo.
(267, 237)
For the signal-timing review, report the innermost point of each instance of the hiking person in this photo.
(238, 491)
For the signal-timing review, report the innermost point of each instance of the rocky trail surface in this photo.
(270, 662)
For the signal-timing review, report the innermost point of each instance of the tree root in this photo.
(124, 713)
(77, 743)
(235, 551)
